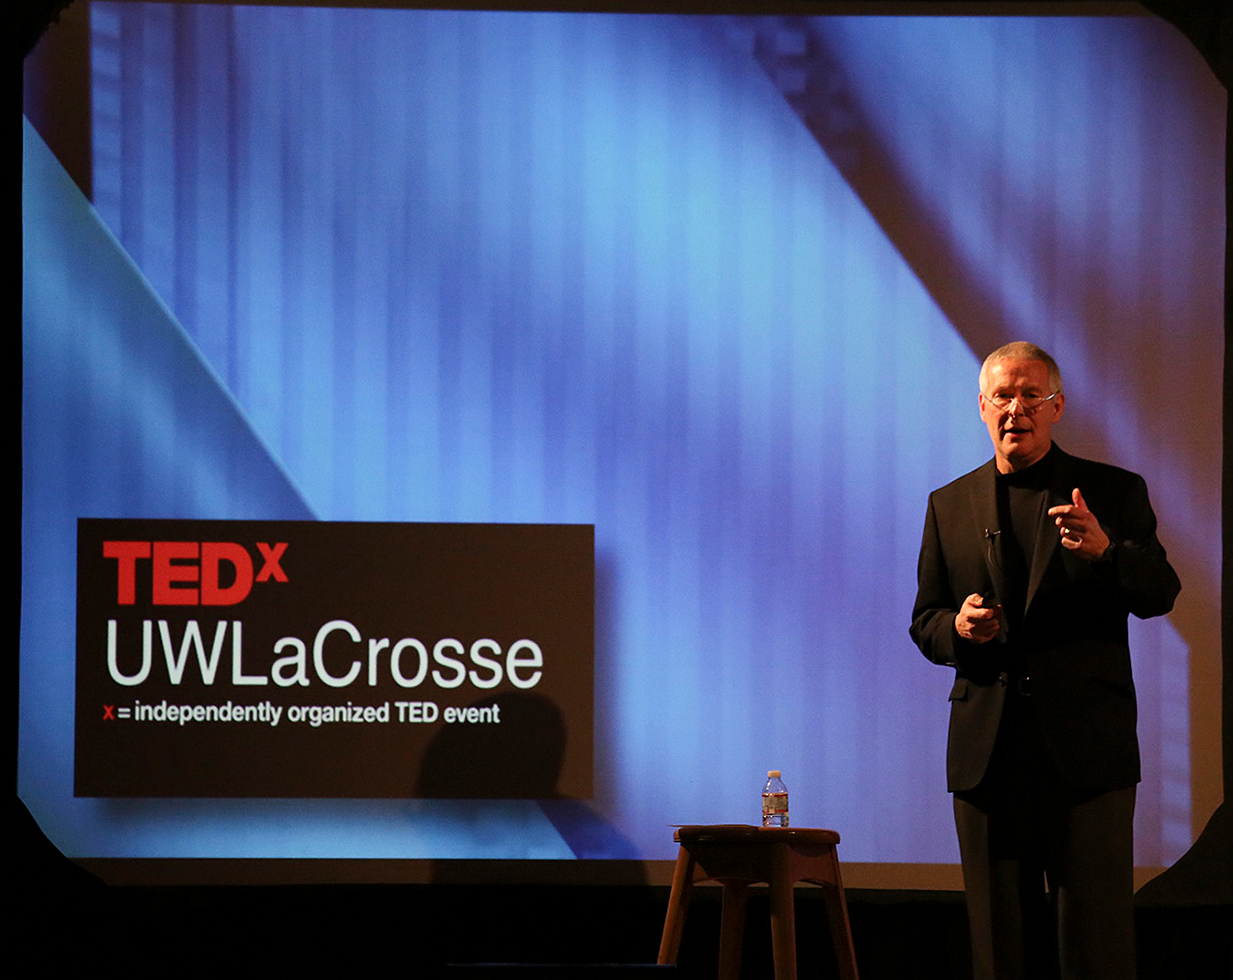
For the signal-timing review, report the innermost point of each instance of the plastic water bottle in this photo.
(774, 801)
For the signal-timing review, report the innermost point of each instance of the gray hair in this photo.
(1022, 350)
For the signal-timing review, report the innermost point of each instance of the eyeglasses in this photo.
(1028, 403)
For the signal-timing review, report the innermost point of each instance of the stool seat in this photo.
(738, 855)
(735, 833)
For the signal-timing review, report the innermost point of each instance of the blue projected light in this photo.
(526, 267)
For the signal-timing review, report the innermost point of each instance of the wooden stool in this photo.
(737, 856)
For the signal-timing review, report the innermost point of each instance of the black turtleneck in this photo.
(1023, 500)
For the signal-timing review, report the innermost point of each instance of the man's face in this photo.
(1020, 438)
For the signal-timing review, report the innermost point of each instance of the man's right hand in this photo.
(977, 622)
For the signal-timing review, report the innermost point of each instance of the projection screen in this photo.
(713, 287)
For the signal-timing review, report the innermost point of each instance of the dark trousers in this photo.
(1024, 828)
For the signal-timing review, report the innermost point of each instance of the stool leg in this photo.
(678, 905)
(783, 923)
(732, 929)
(841, 929)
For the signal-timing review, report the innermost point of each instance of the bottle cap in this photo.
(773, 774)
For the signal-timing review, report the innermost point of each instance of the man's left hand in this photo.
(1081, 532)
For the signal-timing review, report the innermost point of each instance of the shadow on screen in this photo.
(519, 759)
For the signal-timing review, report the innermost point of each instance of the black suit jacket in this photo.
(1073, 639)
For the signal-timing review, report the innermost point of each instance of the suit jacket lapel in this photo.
(987, 526)
(1048, 540)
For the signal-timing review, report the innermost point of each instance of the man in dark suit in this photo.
(1029, 567)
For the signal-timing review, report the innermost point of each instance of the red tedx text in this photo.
(189, 573)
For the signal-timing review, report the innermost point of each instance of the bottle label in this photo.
(774, 803)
